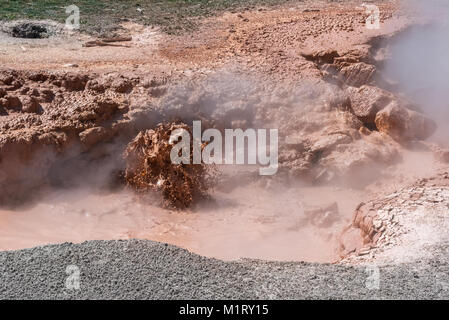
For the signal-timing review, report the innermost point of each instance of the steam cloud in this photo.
(419, 62)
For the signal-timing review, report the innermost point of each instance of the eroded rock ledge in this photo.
(398, 227)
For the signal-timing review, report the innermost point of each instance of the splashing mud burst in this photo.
(149, 168)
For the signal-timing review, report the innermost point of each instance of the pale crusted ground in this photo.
(406, 225)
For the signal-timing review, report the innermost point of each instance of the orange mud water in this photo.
(253, 220)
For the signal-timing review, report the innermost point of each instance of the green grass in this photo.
(99, 16)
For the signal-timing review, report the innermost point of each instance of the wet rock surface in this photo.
(403, 124)
(367, 101)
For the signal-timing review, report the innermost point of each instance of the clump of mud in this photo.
(29, 29)
(149, 167)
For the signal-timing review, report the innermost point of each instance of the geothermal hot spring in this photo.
(248, 216)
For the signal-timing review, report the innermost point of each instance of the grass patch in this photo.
(102, 16)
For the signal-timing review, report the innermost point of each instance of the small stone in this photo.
(70, 65)
(13, 102)
(30, 105)
(122, 85)
(377, 224)
(93, 136)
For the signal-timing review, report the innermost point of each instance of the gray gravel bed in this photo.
(141, 269)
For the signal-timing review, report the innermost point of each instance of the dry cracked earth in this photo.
(363, 170)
